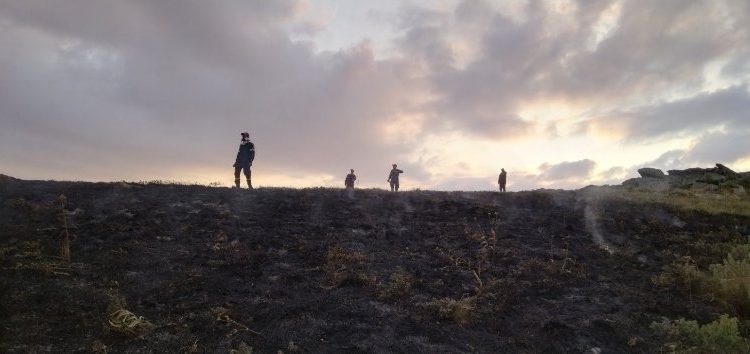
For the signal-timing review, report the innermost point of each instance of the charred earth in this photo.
(186, 268)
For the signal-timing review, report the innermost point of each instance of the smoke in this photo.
(592, 224)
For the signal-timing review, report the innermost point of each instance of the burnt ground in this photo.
(324, 270)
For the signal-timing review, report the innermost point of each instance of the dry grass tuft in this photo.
(123, 321)
(400, 284)
(346, 267)
(711, 204)
(129, 324)
(242, 348)
(459, 311)
(30, 257)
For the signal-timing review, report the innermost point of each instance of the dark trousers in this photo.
(502, 187)
(246, 171)
(394, 186)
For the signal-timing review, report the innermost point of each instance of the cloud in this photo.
(728, 108)
(143, 88)
(707, 150)
(720, 147)
(170, 84)
(563, 171)
(650, 52)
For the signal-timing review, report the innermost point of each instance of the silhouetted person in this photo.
(502, 179)
(245, 157)
(393, 178)
(349, 181)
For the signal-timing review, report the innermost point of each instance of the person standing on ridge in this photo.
(349, 181)
(245, 157)
(393, 178)
(502, 179)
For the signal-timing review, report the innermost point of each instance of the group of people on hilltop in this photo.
(392, 178)
(246, 155)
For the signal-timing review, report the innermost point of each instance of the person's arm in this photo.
(399, 171)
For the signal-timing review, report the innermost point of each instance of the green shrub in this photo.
(682, 274)
(720, 336)
(730, 280)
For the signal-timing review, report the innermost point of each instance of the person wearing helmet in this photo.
(349, 181)
(393, 178)
(245, 157)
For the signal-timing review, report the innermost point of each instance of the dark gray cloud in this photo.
(720, 147)
(709, 149)
(171, 84)
(728, 107)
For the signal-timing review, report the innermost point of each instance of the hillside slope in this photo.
(326, 270)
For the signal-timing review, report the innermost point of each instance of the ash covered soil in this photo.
(326, 270)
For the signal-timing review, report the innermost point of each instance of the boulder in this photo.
(648, 172)
(694, 175)
(695, 171)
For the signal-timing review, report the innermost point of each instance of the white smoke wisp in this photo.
(592, 224)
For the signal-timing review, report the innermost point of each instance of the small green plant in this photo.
(719, 336)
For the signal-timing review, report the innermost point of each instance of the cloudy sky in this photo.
(561, 94)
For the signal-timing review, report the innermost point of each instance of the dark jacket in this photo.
(246, 154)
(393, 177)
(349, 181)
(502, 178)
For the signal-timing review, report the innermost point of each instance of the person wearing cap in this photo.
(393, 178)
(350, 178)
(245, 157)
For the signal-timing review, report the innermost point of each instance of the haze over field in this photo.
(560, 93)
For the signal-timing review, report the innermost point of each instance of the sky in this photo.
(562, 94)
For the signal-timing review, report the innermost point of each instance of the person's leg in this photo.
(391, 186)
(248, 174)
(237, 176)
(396, 186)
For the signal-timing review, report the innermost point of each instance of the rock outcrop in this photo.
(719, 179)
(5, 178)
(648, 172)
